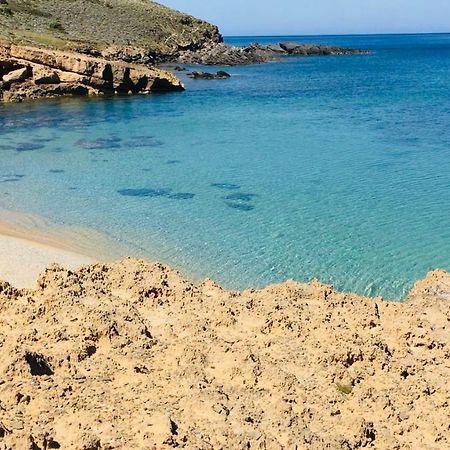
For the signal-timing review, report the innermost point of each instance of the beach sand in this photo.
(22, 261)
(30, 243)
(131, 355)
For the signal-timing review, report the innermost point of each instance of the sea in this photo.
(335, 167)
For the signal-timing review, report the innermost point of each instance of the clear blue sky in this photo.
(277, 17)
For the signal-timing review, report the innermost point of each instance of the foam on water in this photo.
(330, 167)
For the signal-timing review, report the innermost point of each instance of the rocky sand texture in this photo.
(33, 72)
(131, 355)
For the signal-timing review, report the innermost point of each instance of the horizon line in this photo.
(339, 34)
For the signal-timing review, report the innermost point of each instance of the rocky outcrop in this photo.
(132, 355)
(223, 54)
(33, 72)
(220, 75)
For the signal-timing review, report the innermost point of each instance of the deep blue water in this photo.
(336, 168)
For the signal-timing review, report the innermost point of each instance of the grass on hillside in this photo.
(136, 23)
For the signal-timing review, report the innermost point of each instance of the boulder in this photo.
(47, 78)
(17, 76)
(276, 48)
(7, 66)
(289, 47)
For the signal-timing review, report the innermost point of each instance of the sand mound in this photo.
(131, 355)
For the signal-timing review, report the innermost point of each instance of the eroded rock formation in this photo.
(33, 72)
(132, 355)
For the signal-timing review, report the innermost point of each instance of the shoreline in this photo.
(29, 244)
(284, 365)
(24, 260)
(35, 243)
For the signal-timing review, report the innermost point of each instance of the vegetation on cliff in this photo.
(97, 24)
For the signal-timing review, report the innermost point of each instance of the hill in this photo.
(144, 26)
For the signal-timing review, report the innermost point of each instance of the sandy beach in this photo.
(29, 244)
(132, 355)
(22, 260)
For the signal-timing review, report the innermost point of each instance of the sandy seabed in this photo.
(131, 355)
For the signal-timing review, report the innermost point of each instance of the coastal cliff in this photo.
(132, 355)
(91, 47)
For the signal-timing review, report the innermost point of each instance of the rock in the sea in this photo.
(223, 54)
(209, 76)
(222, 74)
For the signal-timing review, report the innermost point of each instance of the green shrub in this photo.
(56, 25)
(6, 10)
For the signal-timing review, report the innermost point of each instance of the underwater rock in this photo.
(144, 192)
(100, 143)
(182, 196)
(226, 186)
(28, 147)
(238, 196)
(240, 206)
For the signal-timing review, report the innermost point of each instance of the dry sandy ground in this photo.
(130, 355)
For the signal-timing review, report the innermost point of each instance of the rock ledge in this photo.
(34, 72)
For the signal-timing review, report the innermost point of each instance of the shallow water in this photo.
(336, 168)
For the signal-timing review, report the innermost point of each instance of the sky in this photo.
(304, 17)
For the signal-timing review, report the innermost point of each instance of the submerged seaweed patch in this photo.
(240, 206)
(143, 141)
(100, 143)
(226, 186)
(240, 197)
(144, 192)
(28, 147)
(182, 196)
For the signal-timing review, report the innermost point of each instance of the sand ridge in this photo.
(131, 355)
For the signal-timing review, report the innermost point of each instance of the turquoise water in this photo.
(336, 168)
